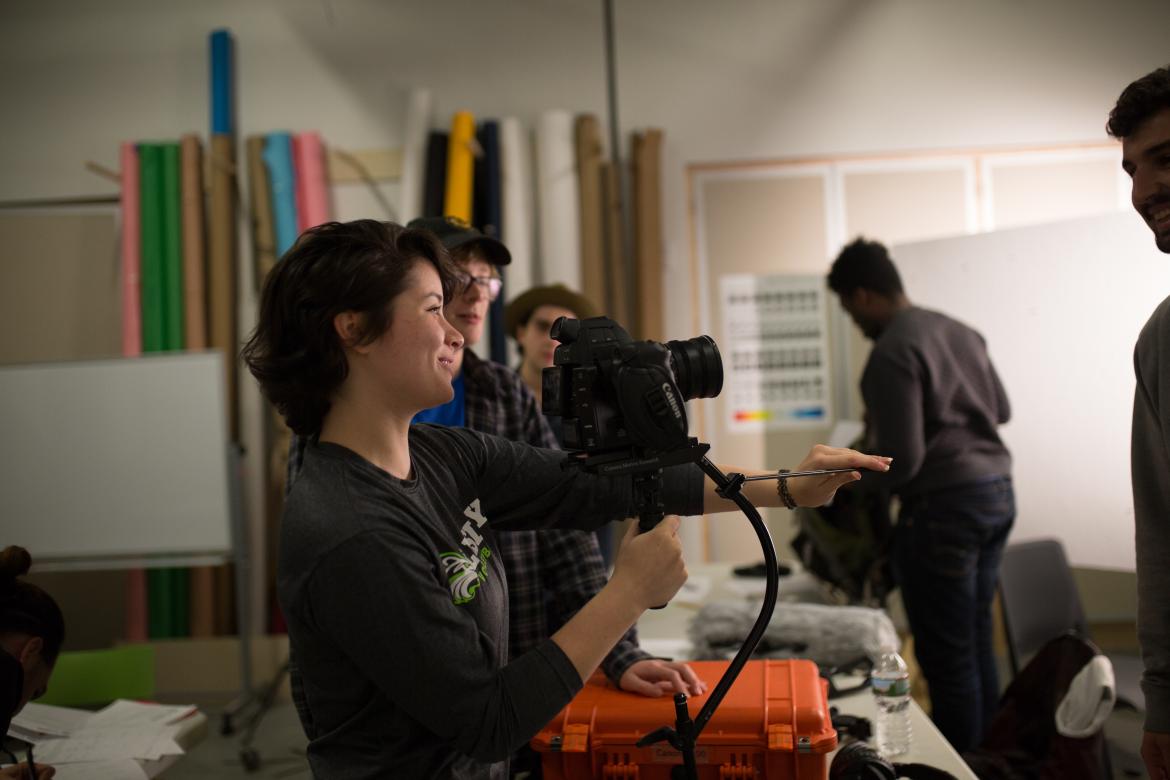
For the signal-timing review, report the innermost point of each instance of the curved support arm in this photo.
(729, 488)
(686, 732)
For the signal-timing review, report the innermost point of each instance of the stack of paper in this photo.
(111, 743)
(38, 722)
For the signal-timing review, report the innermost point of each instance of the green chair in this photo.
(94, 678)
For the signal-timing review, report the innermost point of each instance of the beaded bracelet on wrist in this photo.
(782, 489)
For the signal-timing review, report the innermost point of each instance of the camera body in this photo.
(616, 395)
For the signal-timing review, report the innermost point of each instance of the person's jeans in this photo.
(946, 553)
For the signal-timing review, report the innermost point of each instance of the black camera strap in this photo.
(859, 761)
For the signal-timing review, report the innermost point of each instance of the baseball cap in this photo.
(454, 233)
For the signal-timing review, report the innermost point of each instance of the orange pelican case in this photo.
(773, 725)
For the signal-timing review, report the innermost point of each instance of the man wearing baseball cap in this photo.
(554, 572)
(479, 257)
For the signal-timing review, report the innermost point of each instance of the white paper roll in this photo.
(516, 184)
(558, 209)
(414, 154)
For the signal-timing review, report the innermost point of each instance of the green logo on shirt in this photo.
(465, 574)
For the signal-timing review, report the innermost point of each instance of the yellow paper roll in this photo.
(460, 167)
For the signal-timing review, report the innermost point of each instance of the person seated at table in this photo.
(32, 630)
(388, 574)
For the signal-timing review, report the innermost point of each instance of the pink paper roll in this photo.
(312, 181)
(131, 314)
(136, 622)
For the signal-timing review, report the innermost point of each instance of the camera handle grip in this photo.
(646, 522)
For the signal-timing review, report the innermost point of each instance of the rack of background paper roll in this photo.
(547, 190)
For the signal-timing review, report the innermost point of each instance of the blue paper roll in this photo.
(221, 83)
(278, 159)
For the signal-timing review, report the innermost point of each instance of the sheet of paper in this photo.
(124, 769)
(42, 720)
(125, 713)
(109, 745)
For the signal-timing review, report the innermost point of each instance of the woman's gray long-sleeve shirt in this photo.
(397, 604)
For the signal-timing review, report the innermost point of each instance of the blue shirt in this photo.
(452, 414)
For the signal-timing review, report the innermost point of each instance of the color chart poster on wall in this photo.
(775, 352)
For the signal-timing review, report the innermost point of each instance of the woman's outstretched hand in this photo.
(816, 491)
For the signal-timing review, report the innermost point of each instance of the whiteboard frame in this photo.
(63, 422)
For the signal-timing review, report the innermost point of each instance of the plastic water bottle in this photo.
(891, 689)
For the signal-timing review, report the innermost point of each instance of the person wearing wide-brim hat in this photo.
(528, 319)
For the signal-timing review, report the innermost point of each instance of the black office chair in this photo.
(1023, 741)
(1040, 602)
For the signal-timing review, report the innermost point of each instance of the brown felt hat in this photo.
(522, 306)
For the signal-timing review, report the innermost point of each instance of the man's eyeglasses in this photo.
(488, 285)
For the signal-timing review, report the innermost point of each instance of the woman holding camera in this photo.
(395, 599)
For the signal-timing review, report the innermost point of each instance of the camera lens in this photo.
(698, 369)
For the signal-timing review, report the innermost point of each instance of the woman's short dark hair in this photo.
(27, 609)
(865, 265)
(1139, 101)
(360, 266)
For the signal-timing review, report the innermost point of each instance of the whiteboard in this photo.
(123, 458)
(1061, 306)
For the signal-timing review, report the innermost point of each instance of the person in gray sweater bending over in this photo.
(1141, 120)
(388, 575)
(933, 401)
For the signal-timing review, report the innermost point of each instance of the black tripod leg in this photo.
(684, 727)
(249, 757)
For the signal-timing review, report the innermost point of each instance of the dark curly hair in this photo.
(360, 266)
(1139, 101)
(865, 265)
(27, 609)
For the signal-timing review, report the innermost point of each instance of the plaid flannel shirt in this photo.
(551, 573)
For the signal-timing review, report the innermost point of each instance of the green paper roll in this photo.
(173, 318)
(180, 602)
(172, 246)
(158, 600)
(151, 227)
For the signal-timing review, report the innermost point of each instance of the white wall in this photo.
(1061, 338)
(744, 80)
(751, 79)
